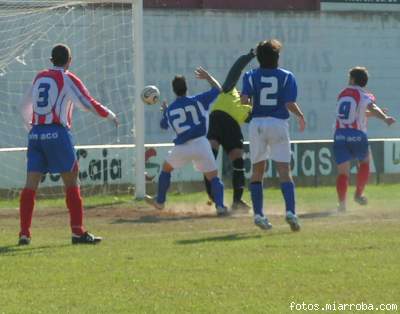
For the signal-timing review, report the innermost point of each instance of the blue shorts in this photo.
(51, 149)
(350, 144)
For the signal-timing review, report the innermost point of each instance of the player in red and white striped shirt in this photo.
(354, 105)
(48, 107)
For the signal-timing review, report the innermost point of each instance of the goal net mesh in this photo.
(99, 34)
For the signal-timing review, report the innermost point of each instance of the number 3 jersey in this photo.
(188, 116)
(351, 108)
(52, 96)
(270, 91)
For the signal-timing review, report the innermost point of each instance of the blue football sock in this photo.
(256, 190)
(288, 192)
(163, 185)
(217, 190)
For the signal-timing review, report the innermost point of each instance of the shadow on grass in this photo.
(102, 205)
(157, 219)
(224, 238)
(318, 214)
(13, 250)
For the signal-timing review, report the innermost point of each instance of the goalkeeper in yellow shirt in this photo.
(226, 117)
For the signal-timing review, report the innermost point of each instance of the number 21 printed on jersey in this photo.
(181, 122)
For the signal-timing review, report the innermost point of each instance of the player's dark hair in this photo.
(179, 85)
(359, 75)
(268, 53)
(60, 55)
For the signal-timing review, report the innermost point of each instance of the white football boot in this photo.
(293, 221)
(262, 222)
(153, 202)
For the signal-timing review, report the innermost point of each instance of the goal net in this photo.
(100, 34)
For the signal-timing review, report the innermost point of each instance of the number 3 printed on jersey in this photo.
(269, 90)
(44, 96)
(43, 99)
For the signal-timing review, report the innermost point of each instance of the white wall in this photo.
(318, 47)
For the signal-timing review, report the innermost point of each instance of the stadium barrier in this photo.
(112, 167)
(313, 163)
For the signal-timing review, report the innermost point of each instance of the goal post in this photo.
(140, 184)
(106, 39)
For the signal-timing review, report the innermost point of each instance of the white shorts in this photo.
(269, 139)
(197, 151)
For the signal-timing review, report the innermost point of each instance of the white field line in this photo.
(20, 149)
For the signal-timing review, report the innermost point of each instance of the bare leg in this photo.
(342, 183)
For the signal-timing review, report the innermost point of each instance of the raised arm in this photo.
(202, 74)
(164, 119)
(236, 70)
(377, 112)
(83, 98)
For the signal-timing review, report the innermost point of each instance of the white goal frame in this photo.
(139, 119)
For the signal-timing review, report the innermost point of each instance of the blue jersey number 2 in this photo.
(43, 100)
(269, 90)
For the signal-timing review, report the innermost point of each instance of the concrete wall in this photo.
(235, 4)
(318, 47)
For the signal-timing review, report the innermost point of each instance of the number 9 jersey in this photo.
(352, 107)
(350, 138)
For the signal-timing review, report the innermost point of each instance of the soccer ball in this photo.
(150, 95)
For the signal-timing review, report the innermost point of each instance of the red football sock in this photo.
(362, 178)
(74, 204)
(26, 204)
(342, 182)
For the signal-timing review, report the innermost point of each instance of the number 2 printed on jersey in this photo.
(269, 90)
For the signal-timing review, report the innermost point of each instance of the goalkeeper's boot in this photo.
(24, 240)
(293, 221)
(362, 200)
(222, 211)
(240, 205)
(262, 222)
(153, 202)
(342, 207)
(86, 238)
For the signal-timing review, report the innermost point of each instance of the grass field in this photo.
(184, 260)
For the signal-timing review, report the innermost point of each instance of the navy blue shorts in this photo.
(51, 149)
(350, 144)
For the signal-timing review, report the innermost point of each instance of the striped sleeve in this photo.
(83, 98)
